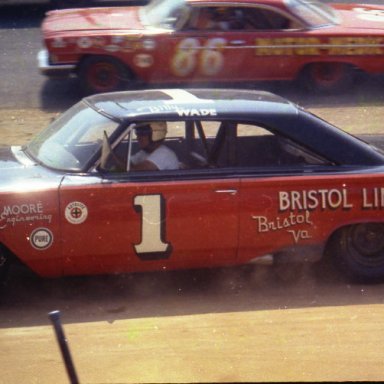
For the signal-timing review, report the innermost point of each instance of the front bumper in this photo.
(53, 70)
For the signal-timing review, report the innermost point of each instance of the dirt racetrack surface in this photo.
(226, 325)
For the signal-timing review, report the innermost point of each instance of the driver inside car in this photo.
(153, 154)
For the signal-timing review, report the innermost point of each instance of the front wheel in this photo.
(359, 251)
(102, 74)
(4, 264)
(327, 77)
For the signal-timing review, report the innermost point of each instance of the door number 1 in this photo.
(153, 245)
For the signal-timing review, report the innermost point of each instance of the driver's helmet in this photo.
(156, 129)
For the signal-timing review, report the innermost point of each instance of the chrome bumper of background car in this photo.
(52, 70)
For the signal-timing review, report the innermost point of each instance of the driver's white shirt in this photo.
(163, 157)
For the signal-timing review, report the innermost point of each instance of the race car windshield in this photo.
(73, 140)
(164, 13)
(313, 12)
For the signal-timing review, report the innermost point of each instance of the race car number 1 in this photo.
(152, 245)
(191, 55)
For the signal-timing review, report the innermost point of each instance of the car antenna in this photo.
(61, 339)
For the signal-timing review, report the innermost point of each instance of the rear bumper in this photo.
(53, 70)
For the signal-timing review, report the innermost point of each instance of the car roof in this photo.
(192, 103)
(261, 107)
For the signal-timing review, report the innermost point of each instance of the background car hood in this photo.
(361, 16)
(92, 19)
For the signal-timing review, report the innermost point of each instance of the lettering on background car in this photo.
(23, 213)
(41, 238)
(191, 56)
(153, 224)
(288, 46)
(356, 46)
(312, 46)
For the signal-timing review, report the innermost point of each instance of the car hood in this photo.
(20, 174)
(360, 16)
(92, 19)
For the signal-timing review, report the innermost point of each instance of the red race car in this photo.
(206, 41)
(179, 179)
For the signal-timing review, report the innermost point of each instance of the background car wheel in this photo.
(359, 251)
(62, 4)
(327, 77)
(102, 74)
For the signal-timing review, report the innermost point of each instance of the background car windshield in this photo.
(164, 13)
(313, 12)
(72, 140)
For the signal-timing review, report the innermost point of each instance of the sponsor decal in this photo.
(23, 213)
(296, 206)
(112, 48)
(117, 39)
(84, 42)
(149, 45)
(98, 41)
(313, 46)
(41, 238)
(59, 43)
(76, 212)
(289, 223)
(181, 111)
(143, 60)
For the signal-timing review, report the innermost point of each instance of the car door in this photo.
(270, 45)
(147, 221)
(283, 203)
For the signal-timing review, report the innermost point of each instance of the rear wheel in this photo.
(327, 77)
(102, 74)
(359, 251)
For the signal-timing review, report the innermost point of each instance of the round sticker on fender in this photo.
(41, 238)
(76, 212)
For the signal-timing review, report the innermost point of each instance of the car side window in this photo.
(216, 19)
(238, 18)
(258, 147)
(265, 19)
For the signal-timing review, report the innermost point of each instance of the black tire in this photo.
(4, 264)
(63, 4)
(359, 251)
(327, 78)
(99, 74)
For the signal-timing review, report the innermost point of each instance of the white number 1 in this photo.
(152, 245)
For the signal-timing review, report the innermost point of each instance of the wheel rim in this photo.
(366, 244)
(103, 77)
(327, 74)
